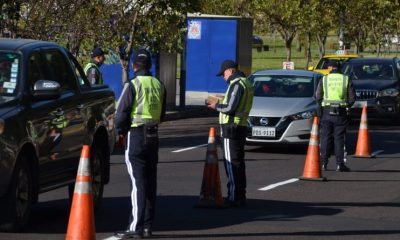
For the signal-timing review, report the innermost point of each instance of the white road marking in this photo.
(190, 148)
(112, 238)
(275, 185)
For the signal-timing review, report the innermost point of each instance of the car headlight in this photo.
(390, 92)
(302, 115)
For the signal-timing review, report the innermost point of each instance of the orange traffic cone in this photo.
(210, 195)
(363, 148)
(312, 166)
(81, 218)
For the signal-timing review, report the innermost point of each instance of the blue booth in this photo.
(211, 40)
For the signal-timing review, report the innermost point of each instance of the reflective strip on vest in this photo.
(90, 65)
(245, 104)
(335, 89)
(147, 105)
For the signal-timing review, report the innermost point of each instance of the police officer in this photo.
(140, 109)
(92, 69)
(234, 112)
(335, 93)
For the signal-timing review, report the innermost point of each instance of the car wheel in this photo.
(19, 199)
(96, 164)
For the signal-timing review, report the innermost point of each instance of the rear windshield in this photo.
(283, 86)
(369, 71)
(9, 71)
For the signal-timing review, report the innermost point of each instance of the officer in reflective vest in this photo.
(234, 112)
(141, 108)
(335, 94)
(92, 69)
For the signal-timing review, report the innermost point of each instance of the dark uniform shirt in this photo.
(125, 104)
(234, 95)
(92, 74)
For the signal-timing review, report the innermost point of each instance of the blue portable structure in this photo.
(210, 40)
(112, 74)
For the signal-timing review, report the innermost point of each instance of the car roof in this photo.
(304, 73)
(17, 44)
(340, 56)
(369, 60)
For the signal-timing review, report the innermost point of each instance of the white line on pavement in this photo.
(111, 238)
(189, 148)
(272, 186)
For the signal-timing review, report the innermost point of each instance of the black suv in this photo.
(377, 84)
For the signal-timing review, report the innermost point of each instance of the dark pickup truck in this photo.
(48, 110)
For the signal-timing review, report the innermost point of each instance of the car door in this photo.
(62, 128)
(69, 120)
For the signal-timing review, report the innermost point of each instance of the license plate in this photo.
(359, 104)
(263, 132)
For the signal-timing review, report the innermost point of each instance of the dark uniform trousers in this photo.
(142, 155)
(234, 164)
(333, 127)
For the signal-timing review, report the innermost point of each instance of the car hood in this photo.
(374, 84)
(279, 107)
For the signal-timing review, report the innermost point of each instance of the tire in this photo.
(20, 198)
(97, 161)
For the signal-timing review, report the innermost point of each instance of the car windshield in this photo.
(283, 86)
(369, 71)
(9, 69)
(323, 63)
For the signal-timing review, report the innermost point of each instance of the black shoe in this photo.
(128, 234)
(325, 167)
(342, 168)
(147, 233)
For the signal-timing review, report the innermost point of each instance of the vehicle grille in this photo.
(279, 129)
(272, 121)
(363, 94)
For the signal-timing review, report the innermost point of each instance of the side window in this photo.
(82, 80)
(58, 69)
(34, 70)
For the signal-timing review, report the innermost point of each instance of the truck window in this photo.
(34, 70)
(58, 69)
(82, 80)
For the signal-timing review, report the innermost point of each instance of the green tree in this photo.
(285, 16)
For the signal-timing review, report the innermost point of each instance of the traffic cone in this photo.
(210, 194)
(363, 148)
(312, 166)
(81, 218)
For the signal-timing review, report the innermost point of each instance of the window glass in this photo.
(34, 70)
(370, 71)
(9, 73)
(58, 69)
(82, 80)
(283, 86)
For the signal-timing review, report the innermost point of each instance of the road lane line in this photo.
(275, 185)
(190, 148)
(112, 238)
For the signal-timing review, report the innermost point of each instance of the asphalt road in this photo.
(362, 204)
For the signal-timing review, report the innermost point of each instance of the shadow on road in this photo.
(176, 213)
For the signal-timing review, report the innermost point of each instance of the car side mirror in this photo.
(310, 68)
(46, 90)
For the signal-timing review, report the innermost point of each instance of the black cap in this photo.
(333, 63)
(97, 52)
(226, 65)
(142, 59)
